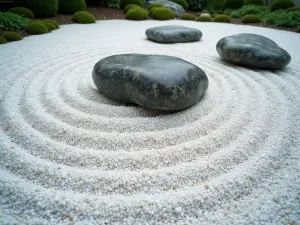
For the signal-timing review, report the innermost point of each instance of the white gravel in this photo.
(69, 155)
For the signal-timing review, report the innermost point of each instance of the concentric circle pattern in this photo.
(69, 155)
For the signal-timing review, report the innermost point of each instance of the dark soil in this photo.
(105, 13)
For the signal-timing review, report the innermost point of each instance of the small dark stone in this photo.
(173, 34)
(151, 81)
(252, 50)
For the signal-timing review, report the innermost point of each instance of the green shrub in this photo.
(113, 3)
(155, 5)
(282, 4)
(53, 22)
(216, 6)
(251, 19)
(187, 16)
(284, 19)
(254, 2)
(71, 6)
(136, 13)
(222, 19)
(162, 14)
(11, 36)
(183, 3)
(234, 4)
(249, 9)
(40, 8)
(228, 11)
(152, 9)
(2, 40)
(11, 21)
(37, 28)
(298, 29)
(83, 17)
(204, 19)
(293, 9)
(123, 3)
(204, 11)
(22, 12)
(50, 26)
(130, 6)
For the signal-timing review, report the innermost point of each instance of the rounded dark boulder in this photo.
(152, 81)
(252, 50)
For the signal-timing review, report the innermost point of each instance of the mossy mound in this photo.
(204, 19)
(83, 17)
(11, 36)
(36, 28)
(40, 8)
(251, 19)
(162, 14)
(187, 16)
(130, 6)
(71, 6)
(222, 19)
(3, 40)
(50, 26)
(282, 4)
(152, 9)
(53, 22)
(124, 3)
(22, 11)
(137, 14)
(155, 5)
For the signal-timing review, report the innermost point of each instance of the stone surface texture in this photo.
(173, 34)
(252, 50)
(176, 8)
(152, 81)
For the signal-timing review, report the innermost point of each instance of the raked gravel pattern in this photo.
(69, 155)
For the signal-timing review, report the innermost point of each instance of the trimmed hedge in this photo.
(37, 27)
(40, 8)
(2, 40)
(251, 19)
(204, 19)
(50, 26)
(216, 6)
(187, 16)
(222, 19)
(71, 6)
(293, 9)
(254, 2)
(137, 13)
(282, 4)
(162, 14)
(83, 17)
(155, 5)
(53, 22)
(124, 3)
(152, 9)
(11, 36)
(234, 4)
(183, 3)
(130, 6)
(11, 21)
(22, 12)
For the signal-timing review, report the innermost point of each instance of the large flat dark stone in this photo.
(173, 34)
(253, 50)
(152, 81)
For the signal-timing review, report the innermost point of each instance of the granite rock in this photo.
(252, 50)
(176, 8)
(173, 34)
(152, 81)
